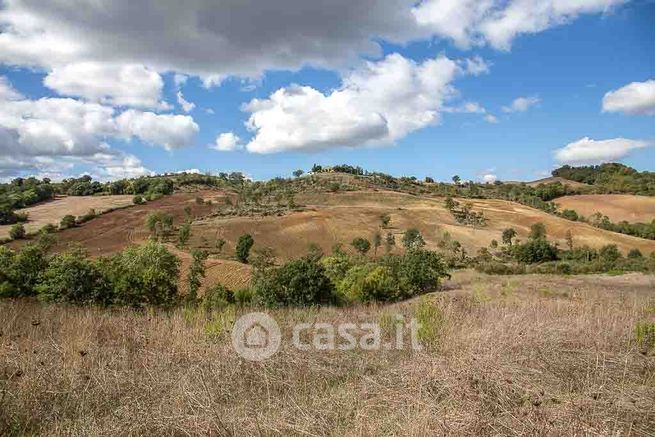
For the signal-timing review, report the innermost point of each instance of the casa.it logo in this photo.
(256, 336)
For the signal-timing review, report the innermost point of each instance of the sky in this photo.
(486, 89)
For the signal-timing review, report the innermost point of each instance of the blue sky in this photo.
(565, 68)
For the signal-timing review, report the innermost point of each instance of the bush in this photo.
(635, 254)
(159, 224)
(244, 296)
(498, 268)
(19, 272)
(138, 200)
(366, 283)
(48, 229)
(412, 239)
(418, 271)
(17, 232)
(361, 245)
(300, 282)
(535, 251)
(217, 298)
(184, 234)
(145, 275)
(244, 245)
(68, 221)
(90, 215)
(609, 254)
(72, 277)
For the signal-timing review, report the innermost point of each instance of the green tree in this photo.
(196, 274)
(377, 242)
(456, 180)
(535, 251)
(635, 254)
(450, 204)
(68, 221)
(508, 235)
(298, 173)
(159, 224)
(361, 245)
(17, 231)
(537, 231)
(244, 245)
(412, 239)
(184, 234)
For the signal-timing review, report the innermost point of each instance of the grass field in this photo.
(618, 207)
(53, 211)
(529, 355)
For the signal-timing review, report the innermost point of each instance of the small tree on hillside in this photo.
(196, 273)
(389, 242)
(537, 231)
(569, 239)
(385, 219)
(377, 242)
(244, 245)
(508, 235)
(68, 221)
(456, 179)
(184, 234)
(412, 239)
(361, 245)
(298, 173)
(17, 232)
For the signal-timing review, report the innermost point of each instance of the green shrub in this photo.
(336, 266)
(366, 283)
(19, 272)
(536, 250)
(412, 239)
(138, 200)
(159, 224)
(244, 245)
(217, 297)
(145, 275)
(48, 229)
(418, 271)
(430, 321)
(635, 254)
(90, 215)
(68, 221)
(74, 278)
(184, 234)
(244, 296)
(498, 268)
(17, 232)
(645, 335)
(300, 282)
(361, 245)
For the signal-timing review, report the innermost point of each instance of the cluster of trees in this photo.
(464, 214)
(138, 276)
(538, 255)
(20, 193)
(611, 178)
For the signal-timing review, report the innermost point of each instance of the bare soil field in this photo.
(527, 355)
(112, 232)
(53, 211)
(618, 207)
(339, 218)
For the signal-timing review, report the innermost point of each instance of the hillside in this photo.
(555, 179)
(618, 207)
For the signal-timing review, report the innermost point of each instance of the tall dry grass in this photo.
(513, 356)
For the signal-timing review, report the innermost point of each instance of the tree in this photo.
(68, 221)
(184, 234)
(377, 242)
(412, 239)
(196, 273)
(537, 231)
(635, 254)
(535, 251)
(508, 235)
(456, 180)
(429, 180)
(300, 282)
(361, 245)
(450, 204)
(569, 239)
(72, 277)
(138, 200)
(317, 168)
(493, 244)
(159, 224)
(220, 243)
(389, 242)
(244, 245)
(385, 219)
(609, 253)
(17, 231)
(298, 173)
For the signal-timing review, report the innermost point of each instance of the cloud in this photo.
(490, 118)
(227, 142)
(589, 151)
(377, 103)
(498, 22)
(167, 130)
(40, 135)
(489, 178)
(116, 85)
(186, 105)
(522, 104)
(213, 40)
(634, 98)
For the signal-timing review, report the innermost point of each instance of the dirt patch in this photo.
(53, 211)
(618, 207)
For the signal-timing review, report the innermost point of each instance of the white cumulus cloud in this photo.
(118, 85)
(376, 104)
(227, 142)
(168, 130)
(184, 103)
(634, 98)
(590, 151)
(522, 104)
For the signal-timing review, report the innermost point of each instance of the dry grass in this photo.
(531, 355)
(53, 211)
(339, 218)
(617, 207)
(555, 179)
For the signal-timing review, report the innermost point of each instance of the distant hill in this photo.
(556, 179)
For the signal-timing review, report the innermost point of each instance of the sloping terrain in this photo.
(555, 179)
(53, 211)
(329, 219)
(617, 207)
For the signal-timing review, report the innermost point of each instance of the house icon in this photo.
(256, 337)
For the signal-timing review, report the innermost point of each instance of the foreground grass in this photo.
(510, 355)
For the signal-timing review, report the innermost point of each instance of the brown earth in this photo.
(329, 219)
(555, 179)
(618, 207)
(53, 211)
